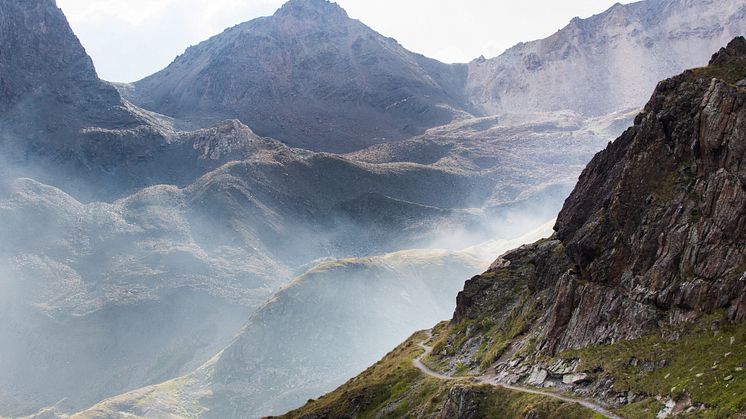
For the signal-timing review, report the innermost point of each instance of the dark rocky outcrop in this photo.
(461, 403)
(654, 233)
(42, 60)
(730, 55)
(63, 125)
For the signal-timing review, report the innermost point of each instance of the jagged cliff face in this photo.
(635, 44)
(311, 77)
(672, 244)
(654, 232)
(35, 37)
(49, 90)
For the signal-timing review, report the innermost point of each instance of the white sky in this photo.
(130, 39)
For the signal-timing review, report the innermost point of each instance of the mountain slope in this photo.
(642, 284)
(216, 250)
(102, 298)
(322, 328)
(608, 62)
(311, 77)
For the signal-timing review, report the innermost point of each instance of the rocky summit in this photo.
(310, 76)
(636, 303)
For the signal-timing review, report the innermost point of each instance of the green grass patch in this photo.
(730, 73)
(392, 384)
(708, 366)
(393, 388)
(644, 409)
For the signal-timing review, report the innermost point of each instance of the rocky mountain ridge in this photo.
(647, 264)
(314, 78)
(310, 76)
(635, 44)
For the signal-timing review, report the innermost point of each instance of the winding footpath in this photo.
(490, 380)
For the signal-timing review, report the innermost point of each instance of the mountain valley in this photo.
(636, 303)
(287, 201)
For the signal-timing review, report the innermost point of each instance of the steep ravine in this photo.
(636, 302)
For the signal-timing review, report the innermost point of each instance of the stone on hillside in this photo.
(537, 377)
(575, 378)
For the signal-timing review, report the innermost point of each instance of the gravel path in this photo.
(491, 380)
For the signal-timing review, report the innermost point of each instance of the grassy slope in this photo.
(393, 388)
(705, 365)
(731, 73)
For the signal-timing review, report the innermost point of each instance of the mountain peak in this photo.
(44, 47)
(733, 52)
(312, 77)
(311, 9)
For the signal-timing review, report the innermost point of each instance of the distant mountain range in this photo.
(608, 62)
(314, 78)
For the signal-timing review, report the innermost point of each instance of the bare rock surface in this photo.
(607, 62)
(310, 76)
(661, 239)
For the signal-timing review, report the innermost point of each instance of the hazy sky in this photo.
(130, 39)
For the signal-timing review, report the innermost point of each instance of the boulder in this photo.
(577, 378)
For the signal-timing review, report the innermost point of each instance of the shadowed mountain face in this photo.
(62, 125)
(311, 77)
(35, 37)
(49, 90)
